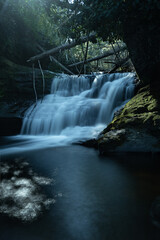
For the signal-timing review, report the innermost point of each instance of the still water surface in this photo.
(101, 198)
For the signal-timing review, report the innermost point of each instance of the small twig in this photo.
(35, 92)
(85, 57)
(74, 63)
(60, 64)
(97, 66)
(43, 80)
(78, 70)
(82, 50)
(116, 53)
(91, 68)
(34, 83)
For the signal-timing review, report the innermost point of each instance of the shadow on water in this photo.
(97, 198)
(136, 160)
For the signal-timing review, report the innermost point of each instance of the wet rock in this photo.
(17, 94)
(110, 140)
(92, 143)
(135, 128)
(140, 111)
(17, 82)
(118, 112)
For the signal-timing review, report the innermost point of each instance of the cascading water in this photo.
(79, 107)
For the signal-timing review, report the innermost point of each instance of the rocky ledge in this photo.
(17, 93)
(136, 128)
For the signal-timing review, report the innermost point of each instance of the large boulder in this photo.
(135, 128)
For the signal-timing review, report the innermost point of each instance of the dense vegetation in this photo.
(135, 22)
(23, 25)
(49, 23)
(27, 24)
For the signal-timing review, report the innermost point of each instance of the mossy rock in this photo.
(110, 140)
(140, 118)
(142, 110)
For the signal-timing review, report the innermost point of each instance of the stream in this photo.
(51, 188)
(95, 197)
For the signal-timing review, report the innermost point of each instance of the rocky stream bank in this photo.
(17, 93)
(134, 128)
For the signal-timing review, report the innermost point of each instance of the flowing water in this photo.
(78, 108)
(96, 198)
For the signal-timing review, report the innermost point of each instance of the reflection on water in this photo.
(20, 195)
(101, 198)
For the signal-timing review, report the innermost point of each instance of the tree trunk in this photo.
(144, 48)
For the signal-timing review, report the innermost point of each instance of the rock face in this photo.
(17, 82)
(136, 128)
(110, 140)
(17, 94)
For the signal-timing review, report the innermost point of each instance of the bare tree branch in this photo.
(62, 48)
(106, 54)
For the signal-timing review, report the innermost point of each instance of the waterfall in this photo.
(79, 107)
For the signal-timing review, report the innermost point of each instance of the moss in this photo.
(140, 118)
(141, 111)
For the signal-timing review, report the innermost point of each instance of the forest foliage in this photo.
(25, 24)
(49, 23)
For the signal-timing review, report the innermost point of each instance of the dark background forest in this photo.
(24, 24)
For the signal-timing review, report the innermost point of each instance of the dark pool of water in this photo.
(97, 198)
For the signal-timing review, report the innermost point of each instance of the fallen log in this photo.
(56, 61)
(106, 54)
(61, 48)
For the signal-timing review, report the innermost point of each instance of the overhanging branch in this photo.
(61, 48)
(106, 54)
